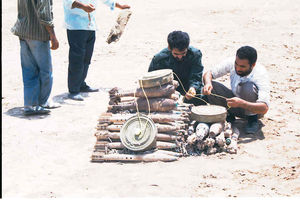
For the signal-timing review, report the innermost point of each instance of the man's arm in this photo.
(112, 4)
(256, 107)
(207, 78)
(122, 6)
(53, 39)
(45, 16)
(220, 70)
(86, 7)
(154, 65)
(195, 78)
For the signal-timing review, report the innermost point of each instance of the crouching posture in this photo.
(185, 62)
(249, 94)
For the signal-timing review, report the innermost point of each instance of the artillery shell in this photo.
(202, 130)
(166, 145)
(149, 157)
(216, 129)
(220, 139)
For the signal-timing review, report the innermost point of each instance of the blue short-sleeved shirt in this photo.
(78, 19)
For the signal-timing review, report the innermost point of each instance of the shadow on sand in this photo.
(239, 125)
(19, 112)
(61, 99)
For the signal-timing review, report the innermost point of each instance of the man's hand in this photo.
(122, 6)
(235, 102)
(54, 42)
(191, 93)
(88, 8)
(207, 89)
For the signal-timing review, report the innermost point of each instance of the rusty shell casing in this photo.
(149, 157)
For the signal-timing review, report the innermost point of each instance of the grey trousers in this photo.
(247, 91)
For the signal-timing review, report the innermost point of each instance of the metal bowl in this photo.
(208, 113)
(156, 78)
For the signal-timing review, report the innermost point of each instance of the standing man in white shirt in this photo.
(250, 91)
(81, 26)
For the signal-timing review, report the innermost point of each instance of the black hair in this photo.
(247, 52)
(179, 40)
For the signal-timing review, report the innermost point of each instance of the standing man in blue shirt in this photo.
(81, 26)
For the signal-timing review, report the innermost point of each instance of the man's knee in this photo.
(219, 94)
(247, 91)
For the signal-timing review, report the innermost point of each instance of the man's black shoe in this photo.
(37, 110)
(89, 89)
(252, 126)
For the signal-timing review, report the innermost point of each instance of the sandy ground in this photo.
(46, 157)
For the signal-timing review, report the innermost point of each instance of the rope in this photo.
(143, 130)
(147, 103)
(137, 109)
(186, 91)
(195, 96)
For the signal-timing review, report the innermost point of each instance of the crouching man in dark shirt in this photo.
(185, 62)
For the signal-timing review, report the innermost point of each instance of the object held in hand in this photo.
(118, 29)
(89, 19)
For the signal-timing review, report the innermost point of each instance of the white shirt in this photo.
(78, 19)
(259, 76)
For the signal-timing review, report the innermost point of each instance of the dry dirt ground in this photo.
(49, 156)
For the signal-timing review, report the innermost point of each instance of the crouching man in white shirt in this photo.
(249, 94)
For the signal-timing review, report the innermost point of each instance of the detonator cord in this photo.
(142, 130)
(195, 96)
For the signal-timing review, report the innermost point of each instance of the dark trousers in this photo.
(247, 91)
(81, 44)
